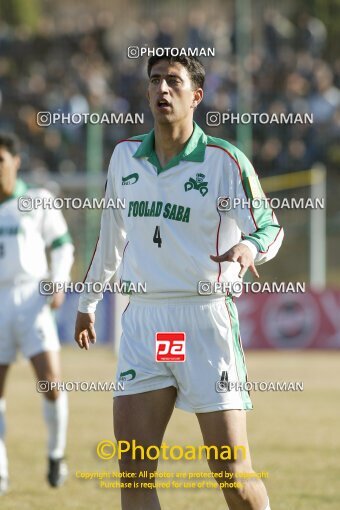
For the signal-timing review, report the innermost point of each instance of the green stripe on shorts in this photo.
(239, 356)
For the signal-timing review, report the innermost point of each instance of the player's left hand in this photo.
(57, 300)
(239, 253)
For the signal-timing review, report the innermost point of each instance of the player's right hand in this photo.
(239, 253)
(84, 331)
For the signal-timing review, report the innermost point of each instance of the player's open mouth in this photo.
(163, 104)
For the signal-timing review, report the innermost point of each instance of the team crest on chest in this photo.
(198, 184)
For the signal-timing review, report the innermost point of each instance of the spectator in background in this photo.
(75, 66)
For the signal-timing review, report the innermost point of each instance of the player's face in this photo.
(9, 166)
(170, 93)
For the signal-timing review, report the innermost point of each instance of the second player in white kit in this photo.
(27, 324)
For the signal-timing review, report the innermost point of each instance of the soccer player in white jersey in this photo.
(26, 320)
(171, 235)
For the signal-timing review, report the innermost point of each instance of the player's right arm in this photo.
(105, 261)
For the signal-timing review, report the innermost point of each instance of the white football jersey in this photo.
(171, 223)
(25, 235)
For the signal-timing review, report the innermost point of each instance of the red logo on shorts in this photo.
(170, 346)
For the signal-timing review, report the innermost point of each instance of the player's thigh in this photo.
(46, 366)
(3, 375)
(227, 427)
(143, 416)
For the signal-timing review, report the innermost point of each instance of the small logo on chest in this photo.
(130, 179)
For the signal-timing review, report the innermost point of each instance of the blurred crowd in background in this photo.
(81, 65)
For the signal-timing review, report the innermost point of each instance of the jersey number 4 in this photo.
(157, 237)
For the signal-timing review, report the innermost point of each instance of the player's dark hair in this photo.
(10, 142)
(192, 65)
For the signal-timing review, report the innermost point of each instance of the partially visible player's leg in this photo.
(37, 334)
(214, 355)
(47, 368)
(8, 350)
(229, 428)
(142, 417)
(3, 453)
(142, 411)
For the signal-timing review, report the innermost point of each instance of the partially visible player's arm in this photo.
(105, 262)
(58, 240)
(261, 233)
(62, 258)
(61, 263)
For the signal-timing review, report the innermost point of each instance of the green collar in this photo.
(19, 190)
(194, 150)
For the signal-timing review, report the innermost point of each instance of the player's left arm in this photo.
(58, 240)
(261, 233)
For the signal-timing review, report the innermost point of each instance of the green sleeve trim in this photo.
(64, 239)
(264, 237)
(252, 240)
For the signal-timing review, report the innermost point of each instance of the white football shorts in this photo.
(26, 323)
(214, 361)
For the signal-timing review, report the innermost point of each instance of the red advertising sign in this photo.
(290, 320)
